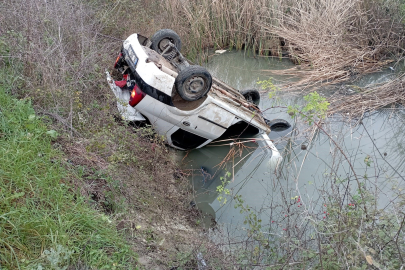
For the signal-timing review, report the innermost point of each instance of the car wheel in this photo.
(193, 83)
(251, 95)
(277, 124)
(162, 38)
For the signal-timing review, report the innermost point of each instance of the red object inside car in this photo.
(121, 84)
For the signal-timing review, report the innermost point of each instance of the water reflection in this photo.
(222, 163)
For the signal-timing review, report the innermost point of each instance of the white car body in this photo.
(193, 127)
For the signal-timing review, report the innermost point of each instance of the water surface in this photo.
(379, 140)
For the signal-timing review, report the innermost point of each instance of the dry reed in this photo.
(231, 24)
(333, 41)
(369, 99)
(337, 40)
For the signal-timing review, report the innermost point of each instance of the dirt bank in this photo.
(149, 200)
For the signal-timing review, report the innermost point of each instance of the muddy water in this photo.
(305, 173)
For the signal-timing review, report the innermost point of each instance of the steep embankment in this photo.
(100, 193)
(43, 221)
(65, 204)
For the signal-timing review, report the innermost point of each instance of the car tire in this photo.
(251, 95)
(193, 83)
(277, 124)
(161, 38)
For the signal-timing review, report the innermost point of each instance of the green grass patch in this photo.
(44, 224)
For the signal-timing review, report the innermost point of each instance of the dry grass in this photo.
(223, 24)
(62, 49)
(62, 56)
(337, 40)
(369, 99)
(333, 41)
(330, 41)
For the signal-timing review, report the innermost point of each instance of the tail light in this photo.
(136, 96)
(117, 63)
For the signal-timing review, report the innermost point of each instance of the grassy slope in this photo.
(109, 171)
(41, 220)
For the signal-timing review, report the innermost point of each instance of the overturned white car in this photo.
(181, 101)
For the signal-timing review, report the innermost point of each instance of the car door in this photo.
(210, 123)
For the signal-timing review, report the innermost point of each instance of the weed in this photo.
(222, 190)
(269, 86)
(42, 222)
(315, 108)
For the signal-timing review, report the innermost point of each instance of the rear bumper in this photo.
(127, 112)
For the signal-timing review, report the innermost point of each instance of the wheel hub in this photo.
(164, 43)
(195, 85)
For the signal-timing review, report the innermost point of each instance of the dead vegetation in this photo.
(224, 24)
(330, 41)
(58, 52)
(370, 99)
(336, 41)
